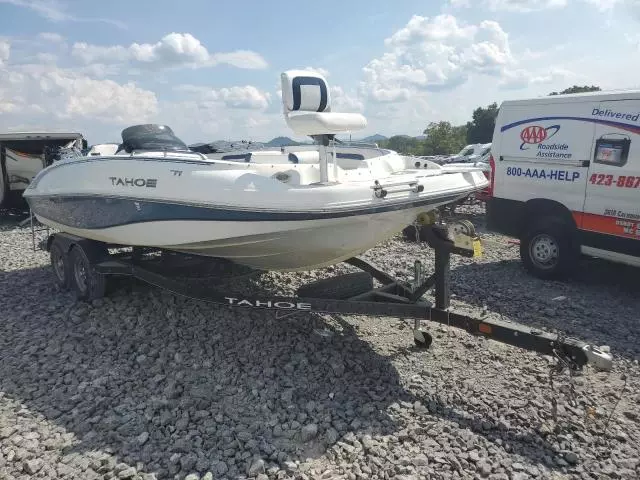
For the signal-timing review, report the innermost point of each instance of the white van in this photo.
(565, 179)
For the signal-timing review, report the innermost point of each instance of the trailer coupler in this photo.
(570, 352)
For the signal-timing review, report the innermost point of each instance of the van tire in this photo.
(547, 249)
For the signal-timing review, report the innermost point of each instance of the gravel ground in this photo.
(145, 384)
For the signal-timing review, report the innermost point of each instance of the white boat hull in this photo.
(276, 246)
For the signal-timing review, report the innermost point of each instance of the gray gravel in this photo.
(145, 384)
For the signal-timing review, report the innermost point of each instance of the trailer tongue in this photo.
(85, 266)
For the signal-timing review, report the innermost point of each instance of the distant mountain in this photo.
(374, 138)
(281, 142)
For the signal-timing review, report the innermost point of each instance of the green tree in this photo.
(402, 144)
(480, 129)
(443, 138)
(577, 89)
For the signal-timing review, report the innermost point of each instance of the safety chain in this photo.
(563, 363)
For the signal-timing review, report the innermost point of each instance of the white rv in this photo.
(23, 155)
(565, 179)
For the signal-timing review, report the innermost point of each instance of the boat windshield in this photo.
(151, 137)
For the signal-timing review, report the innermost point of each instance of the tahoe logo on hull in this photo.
(536, 134)
(134, 182)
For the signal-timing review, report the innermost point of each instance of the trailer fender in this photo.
(95, 251)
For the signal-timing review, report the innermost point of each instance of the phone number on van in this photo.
(551, 174)
(623, 181)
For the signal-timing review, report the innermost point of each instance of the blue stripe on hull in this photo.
(93, 212)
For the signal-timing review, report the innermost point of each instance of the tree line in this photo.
(443, 138)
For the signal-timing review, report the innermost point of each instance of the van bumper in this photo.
(505, 216)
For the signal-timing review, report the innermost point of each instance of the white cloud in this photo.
(633, 39)
(51, 37)
(603, 5)
(46, 58)
(344, 102)
(436, 53)
(524, 5)
(242, 97)
(520, 78)
(174, 49)
(5, 51)
(55, 94)
(240, 59)
(321, 71)
(204, 121)
(55, 11)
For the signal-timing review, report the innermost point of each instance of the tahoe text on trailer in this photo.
(565, 179)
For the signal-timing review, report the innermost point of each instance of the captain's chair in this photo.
(307, 106)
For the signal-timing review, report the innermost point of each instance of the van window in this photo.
(467, 152)
(612, 151)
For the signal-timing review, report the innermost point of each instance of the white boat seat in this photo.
(306, 102)
(320, 123)
(307, 156)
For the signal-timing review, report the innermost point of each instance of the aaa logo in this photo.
(536, 134)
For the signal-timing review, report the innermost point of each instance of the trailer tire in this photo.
(88, 284)
(60, 264)
(547, 249)
(340, 288)
(422, 339)
(4, 186)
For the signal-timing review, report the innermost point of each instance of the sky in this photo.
(211, 69)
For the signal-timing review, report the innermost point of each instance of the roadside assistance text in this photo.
(541, 173)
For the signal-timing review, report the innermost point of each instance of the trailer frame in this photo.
(86, 265)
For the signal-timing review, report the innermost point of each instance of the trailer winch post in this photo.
(442, 277)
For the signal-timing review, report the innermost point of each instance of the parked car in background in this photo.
(471, 153)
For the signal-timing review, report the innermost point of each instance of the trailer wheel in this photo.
(340, 287)
(87, 283)
(4, 186)
(60, 264)
(422, 339)
(547, 250)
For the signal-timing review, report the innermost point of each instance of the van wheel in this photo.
(547, 250)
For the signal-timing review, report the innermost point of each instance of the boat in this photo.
(285, 209)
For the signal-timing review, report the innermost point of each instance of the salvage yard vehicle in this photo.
(565, 179)
(24, 154)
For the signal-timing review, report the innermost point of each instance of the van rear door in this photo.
(541, 151)
(611, 217)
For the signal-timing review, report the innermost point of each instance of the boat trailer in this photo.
(86, 265)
